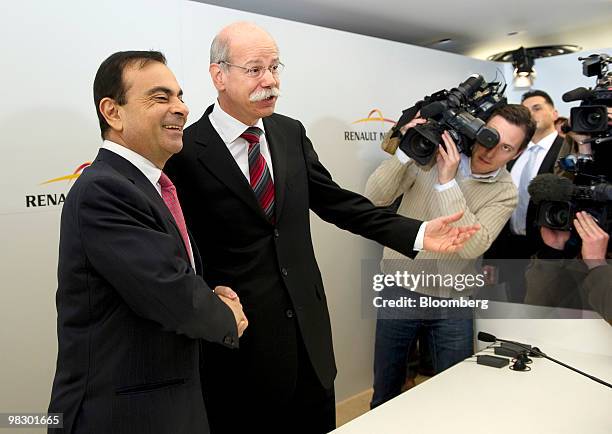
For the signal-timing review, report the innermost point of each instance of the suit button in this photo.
(289, 313)
(228, 340)
(284, 271)
(276, 233)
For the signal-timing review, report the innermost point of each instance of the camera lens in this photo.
(421, 146)
(557, 215)
(589, 119)
(421, 142)
(593, 119)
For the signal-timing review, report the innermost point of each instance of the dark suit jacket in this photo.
(510, 246)
(273, 267)
(130, 310)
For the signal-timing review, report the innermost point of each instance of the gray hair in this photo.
(220, 50)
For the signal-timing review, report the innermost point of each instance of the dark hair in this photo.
(541, 93)
(520, 116)
(109, 78)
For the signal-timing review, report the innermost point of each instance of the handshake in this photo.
(230, 298)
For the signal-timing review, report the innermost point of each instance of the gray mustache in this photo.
(264, 93)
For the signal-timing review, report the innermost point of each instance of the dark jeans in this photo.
(449, 337)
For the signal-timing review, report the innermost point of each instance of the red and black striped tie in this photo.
(259, 173)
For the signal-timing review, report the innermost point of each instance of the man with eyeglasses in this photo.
(247, 179)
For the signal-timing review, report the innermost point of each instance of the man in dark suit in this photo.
(247, 179)
(520, 238)
(131, 307)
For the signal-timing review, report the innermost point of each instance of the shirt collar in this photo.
(466, 170)
(150, 170)
(228, 127)
(546, 142)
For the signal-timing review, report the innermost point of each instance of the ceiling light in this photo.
(524, 74)
(523, 60)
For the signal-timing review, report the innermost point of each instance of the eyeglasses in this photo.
(258, 71)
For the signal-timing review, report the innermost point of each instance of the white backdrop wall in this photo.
(51, 53)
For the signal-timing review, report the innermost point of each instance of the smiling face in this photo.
(240, 95)
(151, 120)
(511, 137)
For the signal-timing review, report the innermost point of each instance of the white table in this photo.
(472, 398)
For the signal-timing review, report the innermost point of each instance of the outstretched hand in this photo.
(441, 237)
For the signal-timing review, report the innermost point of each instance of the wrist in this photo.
(445, 178)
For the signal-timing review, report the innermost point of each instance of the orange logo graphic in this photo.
(70, 177)
(378, 118)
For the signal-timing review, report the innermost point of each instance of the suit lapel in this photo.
(548, 164)
(216, 158)
(278, 150)
(132, 173)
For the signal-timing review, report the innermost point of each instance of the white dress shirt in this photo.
(148, 169)
(517, 169)
(229, 130)
(546, 143)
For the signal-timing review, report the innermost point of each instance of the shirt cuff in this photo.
(418, 242)
(401, 156)
(448, 185)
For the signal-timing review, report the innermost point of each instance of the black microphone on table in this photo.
(487, 337)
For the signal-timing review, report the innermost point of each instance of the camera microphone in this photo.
(550, 187)
(578, 94)
(554, 188)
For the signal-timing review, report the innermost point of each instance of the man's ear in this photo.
(110, 110)
(555, 115)
(218, 76)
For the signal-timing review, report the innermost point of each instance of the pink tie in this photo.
(168, 192)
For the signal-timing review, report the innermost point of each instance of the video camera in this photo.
(559, 199)
(592, 115)
(462, 111)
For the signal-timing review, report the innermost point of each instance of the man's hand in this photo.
(553, 238)
(230, 298)
(447, 159)
(413, 123)
(441, 237)
(594, 240)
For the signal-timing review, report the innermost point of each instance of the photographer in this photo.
(555, 279)
(481, 187)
